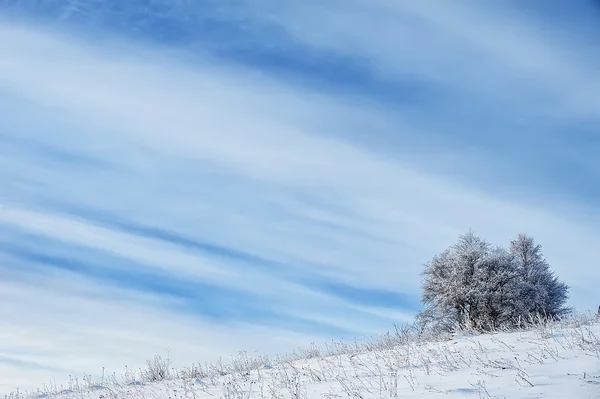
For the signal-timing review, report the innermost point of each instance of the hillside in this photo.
(545, 361)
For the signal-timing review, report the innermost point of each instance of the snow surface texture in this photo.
(549, 361)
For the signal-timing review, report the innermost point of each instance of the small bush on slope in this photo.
(157, 369)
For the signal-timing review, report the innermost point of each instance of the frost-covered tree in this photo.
(541, 291)
(475, 284)
(449, 285)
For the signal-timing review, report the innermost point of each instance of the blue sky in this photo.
(207, 177)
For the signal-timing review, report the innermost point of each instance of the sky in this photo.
(197, 178)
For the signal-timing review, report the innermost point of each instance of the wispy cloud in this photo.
(212, 178)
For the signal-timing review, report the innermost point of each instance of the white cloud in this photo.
(480, 49)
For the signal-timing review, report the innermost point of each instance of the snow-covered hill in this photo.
(548, 361)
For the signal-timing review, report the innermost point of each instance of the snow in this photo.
(549, 361)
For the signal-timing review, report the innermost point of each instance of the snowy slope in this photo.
(544, 362)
